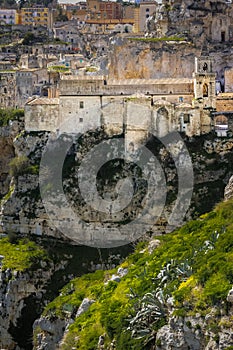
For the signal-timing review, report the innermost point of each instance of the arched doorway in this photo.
(162, 122)
(221, 125)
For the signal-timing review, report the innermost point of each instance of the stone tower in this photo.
(204, 82)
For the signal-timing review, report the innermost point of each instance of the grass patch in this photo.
(60, 69)
(21, 255)
(165, 38)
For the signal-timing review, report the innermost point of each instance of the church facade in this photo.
(136, 107)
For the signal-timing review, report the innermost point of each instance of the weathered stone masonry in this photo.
(135, 106)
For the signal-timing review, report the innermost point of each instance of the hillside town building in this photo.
(8, 16)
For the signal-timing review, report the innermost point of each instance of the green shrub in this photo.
(165, 38)
(10, 114)
(29, 38)
(20, 254)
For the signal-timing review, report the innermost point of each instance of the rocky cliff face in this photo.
(192, 19)
(130, 59)
(138, 59)
(168, 296)
(195, 333)
(17, 290)
(228, 193)
(7, 135)
(24, 211)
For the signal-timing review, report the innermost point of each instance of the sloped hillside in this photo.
(171, 294)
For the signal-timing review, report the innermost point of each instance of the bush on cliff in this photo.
(10, 114)
(20, 254)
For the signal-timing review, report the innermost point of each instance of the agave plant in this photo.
(173, 270)
(151, 308)
(210, 244)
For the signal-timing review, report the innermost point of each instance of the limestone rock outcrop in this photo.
(7, 135)
(50, 332)
(15, 289)
(47, 333)
(228, 193)
(24, 211)
(197, 21)
(195, 333)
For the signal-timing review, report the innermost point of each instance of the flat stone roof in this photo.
(117, 82)
(82, 77)
(43, 101)
(150, 81)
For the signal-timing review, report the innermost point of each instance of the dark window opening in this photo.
(81, 104)
(223, 37)
(80, 120)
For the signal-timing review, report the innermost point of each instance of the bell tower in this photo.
(204, 82)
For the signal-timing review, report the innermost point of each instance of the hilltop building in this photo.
(36, 16)
(136, 106)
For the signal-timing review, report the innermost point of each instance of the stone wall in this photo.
(7, 89)
(77, 114)
(42, 116)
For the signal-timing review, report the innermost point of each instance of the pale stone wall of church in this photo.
(134, 115)
(41, 117)
(79, 113)
(136, 107)
(113, 111)
(138, 121)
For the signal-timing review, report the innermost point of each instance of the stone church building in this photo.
(134, 106)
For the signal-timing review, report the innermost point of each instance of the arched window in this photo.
(205, 90)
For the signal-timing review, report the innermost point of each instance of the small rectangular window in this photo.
(81, 104)
(80, 120)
